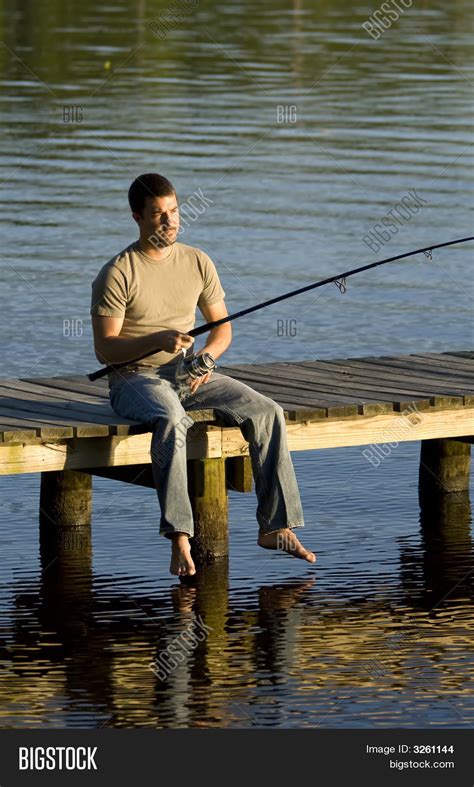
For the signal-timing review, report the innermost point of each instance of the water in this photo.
(378, 633)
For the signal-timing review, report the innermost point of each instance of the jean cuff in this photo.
(271, 528)
(168, 531)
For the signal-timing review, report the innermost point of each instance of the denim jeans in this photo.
(153, 397)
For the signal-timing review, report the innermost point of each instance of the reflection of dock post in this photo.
(66, 590)
(201, 610)
(444, 467)
(212, 595)
(66, 563)
(66, 548)
(446, 558)
(208, 496)
(445, 516)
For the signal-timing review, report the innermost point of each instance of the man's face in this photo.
(160, 219)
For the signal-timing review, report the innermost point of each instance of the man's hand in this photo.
(195, 383)
(173, 341)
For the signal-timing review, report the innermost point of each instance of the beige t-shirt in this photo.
(155, 295)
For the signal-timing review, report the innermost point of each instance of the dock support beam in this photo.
(65, 538)
(444, 467)
(65, 500)
(208, 496)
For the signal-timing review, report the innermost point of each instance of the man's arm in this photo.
(219, 338)
(112, 348)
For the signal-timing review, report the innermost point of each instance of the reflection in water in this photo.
(444, 565)
(285, 655)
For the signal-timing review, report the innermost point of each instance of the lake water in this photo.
(303, 132)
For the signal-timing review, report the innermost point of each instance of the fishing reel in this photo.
(194, 366)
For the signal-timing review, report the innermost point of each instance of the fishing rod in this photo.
(339, 280)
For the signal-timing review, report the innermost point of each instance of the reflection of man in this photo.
(145, 298)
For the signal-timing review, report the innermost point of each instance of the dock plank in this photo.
(290, 382)
(45, 429)
(71, 384)
(81, 423)
(457, 366)
(293, 394)
(95, 413)
(384, 378)
(465, 361)
(354, 381)
(21, 386)
(339, 391)
(417, 367)
(443, 375)
(379, 368)
(64, 405)
(460, 354)
(17, 433)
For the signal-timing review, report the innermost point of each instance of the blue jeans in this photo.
(153, 397)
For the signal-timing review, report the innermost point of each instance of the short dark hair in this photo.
(149, 185)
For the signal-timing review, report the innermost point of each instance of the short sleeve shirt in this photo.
(156, 295)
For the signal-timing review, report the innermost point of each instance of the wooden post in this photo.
(444, 467)
(65, 539)
(65, 532)
(208, 496)
(65, 500)
(239, 475)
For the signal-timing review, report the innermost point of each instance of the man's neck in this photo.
(161, 253)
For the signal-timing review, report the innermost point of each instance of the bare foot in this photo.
(286, 541)
(181, 561)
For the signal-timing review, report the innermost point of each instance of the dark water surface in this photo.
(379, 633)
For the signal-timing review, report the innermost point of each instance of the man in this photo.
(145, 298)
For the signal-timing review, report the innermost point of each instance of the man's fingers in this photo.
(197, 383)
(194, 384)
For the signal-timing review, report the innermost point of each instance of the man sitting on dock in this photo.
(145, 298)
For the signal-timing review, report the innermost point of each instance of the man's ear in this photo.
(137, 217)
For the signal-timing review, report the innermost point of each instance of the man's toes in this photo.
(305, 554)
(187, 569)
(293, 546)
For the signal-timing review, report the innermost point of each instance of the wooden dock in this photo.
(65, 428)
